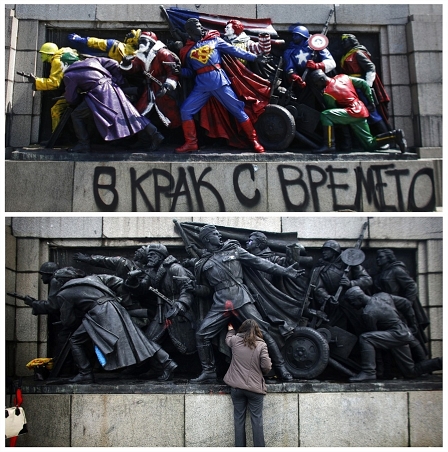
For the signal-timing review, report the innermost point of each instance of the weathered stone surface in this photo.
(425, 419)
(208, 421)
(26, 326)
(129, 227)
(27, 254)
(25, 352)
(134, 420)
(358, 419)
(30, 189)
(396, 228)
(280, 417)
(48, 418)
(322, 228)
(55, 227)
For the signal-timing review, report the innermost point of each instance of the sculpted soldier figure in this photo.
(121, 266)
(161, 69)
(344, 107)
(115, 49)
(54, 278)
(51, 53)
(387, 331)
(91, 306)
(164, 273)
(393, 278)
(222, 270)
(258, 246)
(328, 275)
(201, 56)
(103, 100)
(357, 62)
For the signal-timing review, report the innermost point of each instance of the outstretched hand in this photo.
(293, 273)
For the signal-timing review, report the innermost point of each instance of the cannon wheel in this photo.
(275, 127)
(306, 353)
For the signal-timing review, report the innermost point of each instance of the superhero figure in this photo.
(299, 57)
(202, 56)
(346, 108)
(234, 33)
(356, 62)
(115, 49)
(51, 53)
(163, 67)
(103, 100)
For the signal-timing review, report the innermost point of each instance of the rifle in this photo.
(151, 77)
(24, 74)
(188, 246)
(16, 295)
(352, 257)
(324, 32)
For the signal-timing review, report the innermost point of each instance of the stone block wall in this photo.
(28, 242)
(410, 36)
(291, 419)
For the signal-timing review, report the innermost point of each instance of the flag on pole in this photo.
(252, 27)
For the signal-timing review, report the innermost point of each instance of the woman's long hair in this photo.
(251, 332)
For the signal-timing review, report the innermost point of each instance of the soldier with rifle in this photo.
(165, 277)
(331, 278)
(161, 70)
(51, 53)
(52, 276)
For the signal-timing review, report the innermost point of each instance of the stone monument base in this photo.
(142, 413)
(222, 180)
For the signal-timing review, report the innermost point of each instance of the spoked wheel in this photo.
(276, 128)
(306, 353)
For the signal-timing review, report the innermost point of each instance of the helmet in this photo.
(68, 273)
(132, 37)
(49, 48)
(69, 58)
(48, 268)
(301, 30)
(349, 41)
(237, 26)
(158, 248)
(149, 34)
(333, 245)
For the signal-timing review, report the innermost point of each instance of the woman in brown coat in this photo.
(250, 361)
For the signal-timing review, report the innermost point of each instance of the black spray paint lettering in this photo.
(300, 189)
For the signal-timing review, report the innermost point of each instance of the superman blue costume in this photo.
(202, 57)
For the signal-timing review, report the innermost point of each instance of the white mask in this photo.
(229, 31)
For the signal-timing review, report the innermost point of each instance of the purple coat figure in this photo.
(99, 80)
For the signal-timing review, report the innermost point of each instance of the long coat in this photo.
(99, 80)
(90, 302)
(154, 63)
(248, 365)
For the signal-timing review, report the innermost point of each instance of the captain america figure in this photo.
(299, 56)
